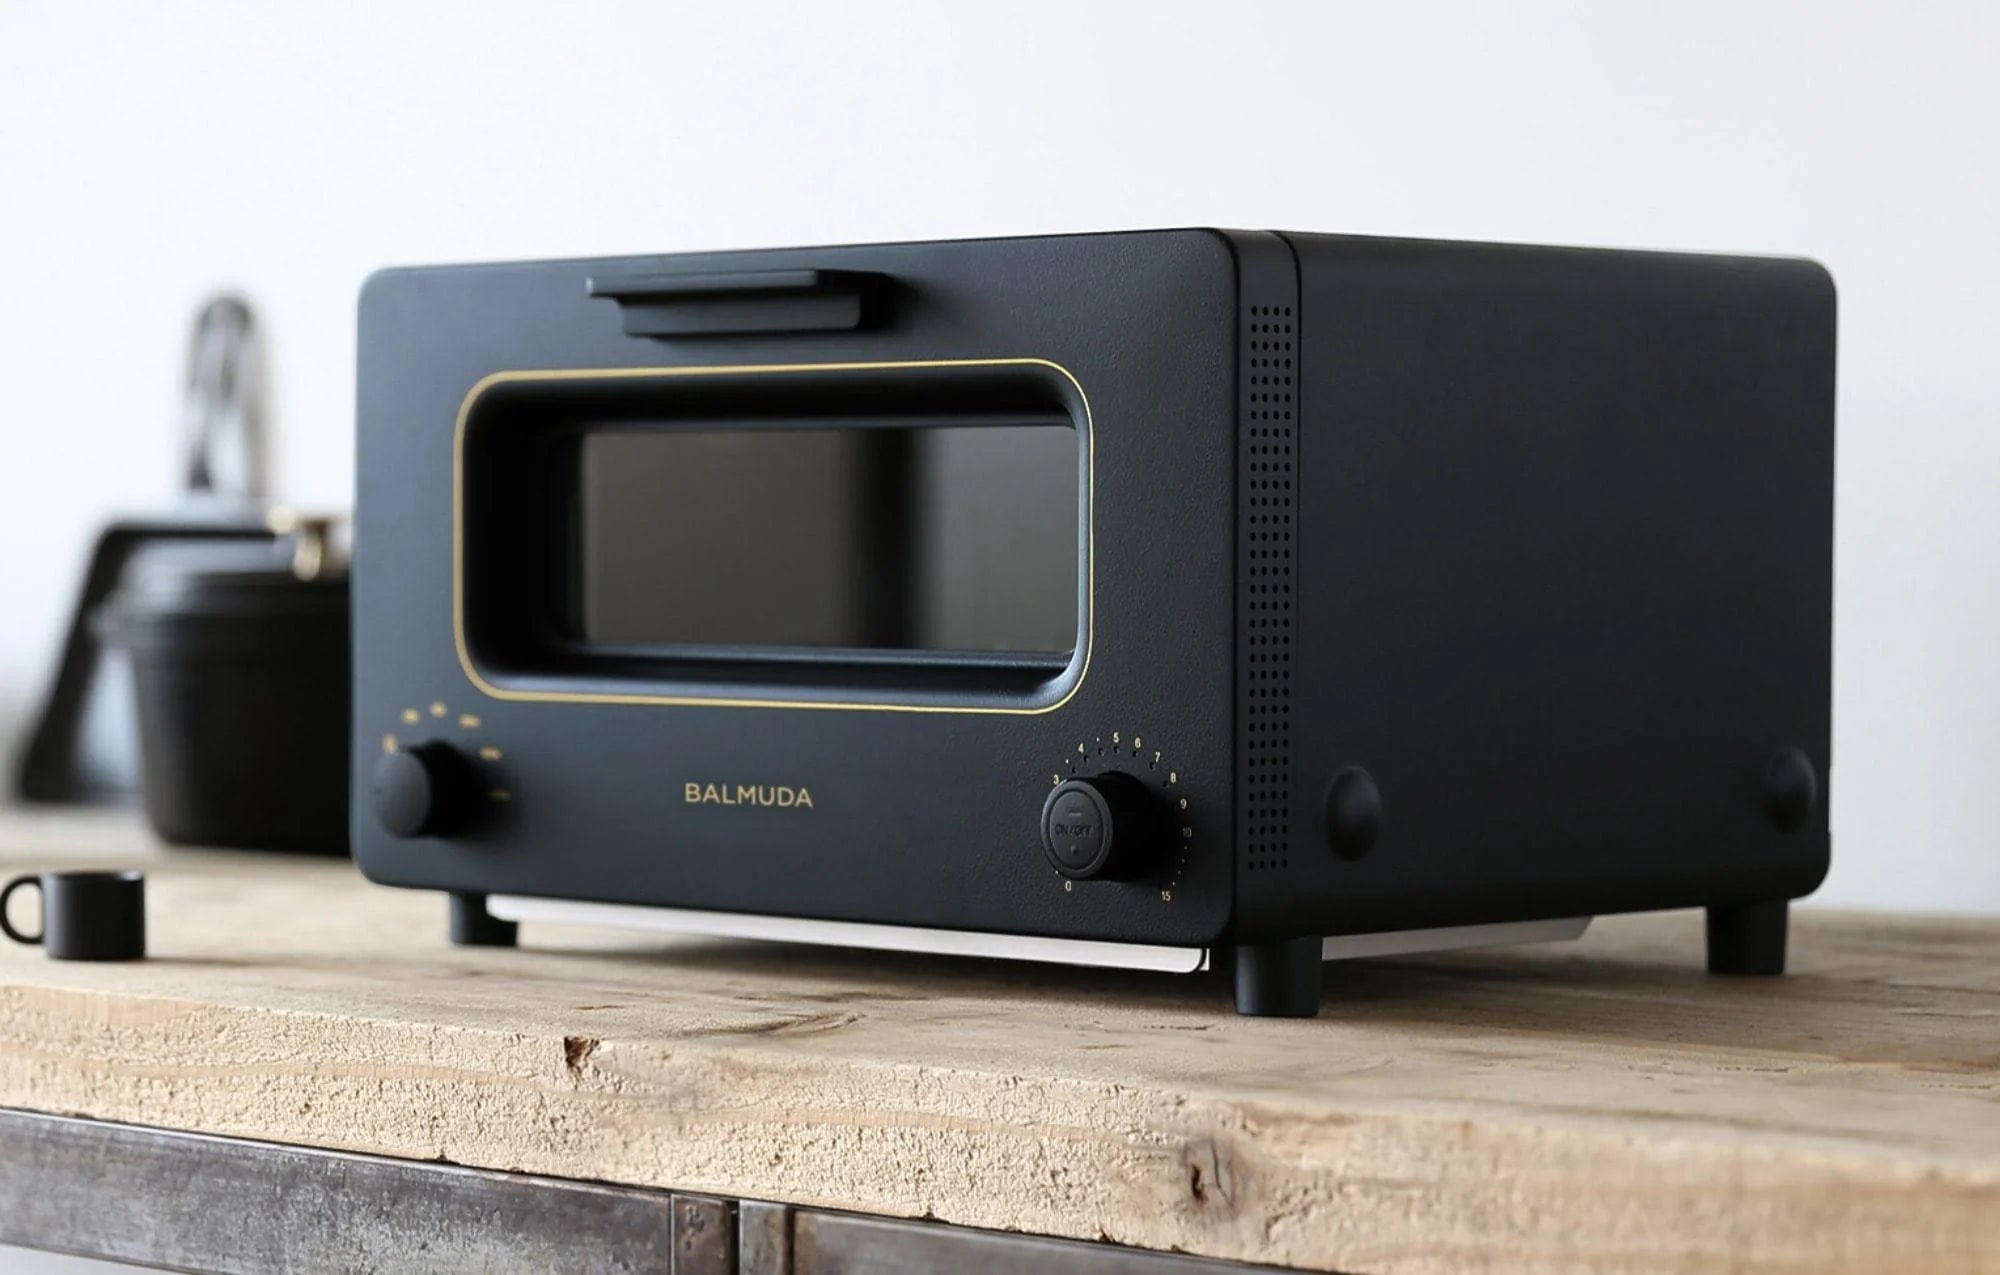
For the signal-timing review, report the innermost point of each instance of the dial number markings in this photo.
(1151, 765)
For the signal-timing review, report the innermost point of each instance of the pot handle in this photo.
(222, 409)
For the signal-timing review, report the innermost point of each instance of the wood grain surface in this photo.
(1596, 1106)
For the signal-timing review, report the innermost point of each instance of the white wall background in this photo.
(150, 152)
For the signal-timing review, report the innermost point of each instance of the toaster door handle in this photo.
(692, 305)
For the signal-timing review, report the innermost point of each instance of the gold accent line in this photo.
(490, 753)
(411, 717)
(470, 721)
(699, 701)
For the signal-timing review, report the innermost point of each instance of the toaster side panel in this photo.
(1564, 572)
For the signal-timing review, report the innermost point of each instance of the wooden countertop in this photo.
(1594, 1106)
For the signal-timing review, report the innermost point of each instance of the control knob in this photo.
(429, 790)
(1103, 827)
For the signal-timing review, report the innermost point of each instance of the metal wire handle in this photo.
(222, 414)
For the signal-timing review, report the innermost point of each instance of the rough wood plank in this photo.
(1600, 1106)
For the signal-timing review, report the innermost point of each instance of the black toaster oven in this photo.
(1142, 599)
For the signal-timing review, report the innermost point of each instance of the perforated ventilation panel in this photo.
(1266, 566)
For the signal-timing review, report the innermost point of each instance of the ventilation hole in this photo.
(1266, 465)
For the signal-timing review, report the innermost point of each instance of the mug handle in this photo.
(6, 895)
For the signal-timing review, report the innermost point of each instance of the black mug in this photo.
(86, 916)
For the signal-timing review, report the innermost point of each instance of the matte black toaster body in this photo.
(1182, 591)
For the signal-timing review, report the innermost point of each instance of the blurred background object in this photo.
(222, 402)
(215, 634)
(79, 747)
(238, 652)
(158, 149)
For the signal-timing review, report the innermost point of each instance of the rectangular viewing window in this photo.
(893, 535)
(882, 537)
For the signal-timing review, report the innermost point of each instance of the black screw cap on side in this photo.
(425, 791)
(1791, 789)
(1353, 813)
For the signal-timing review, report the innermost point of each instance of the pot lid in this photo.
(297, 573)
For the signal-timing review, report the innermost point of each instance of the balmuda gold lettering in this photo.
(779, 795)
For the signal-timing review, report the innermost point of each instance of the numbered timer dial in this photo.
(440, 786)
(1115, 813)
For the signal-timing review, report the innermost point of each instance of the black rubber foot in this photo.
(1748, 938)
(1278, 980)
(472, 927)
